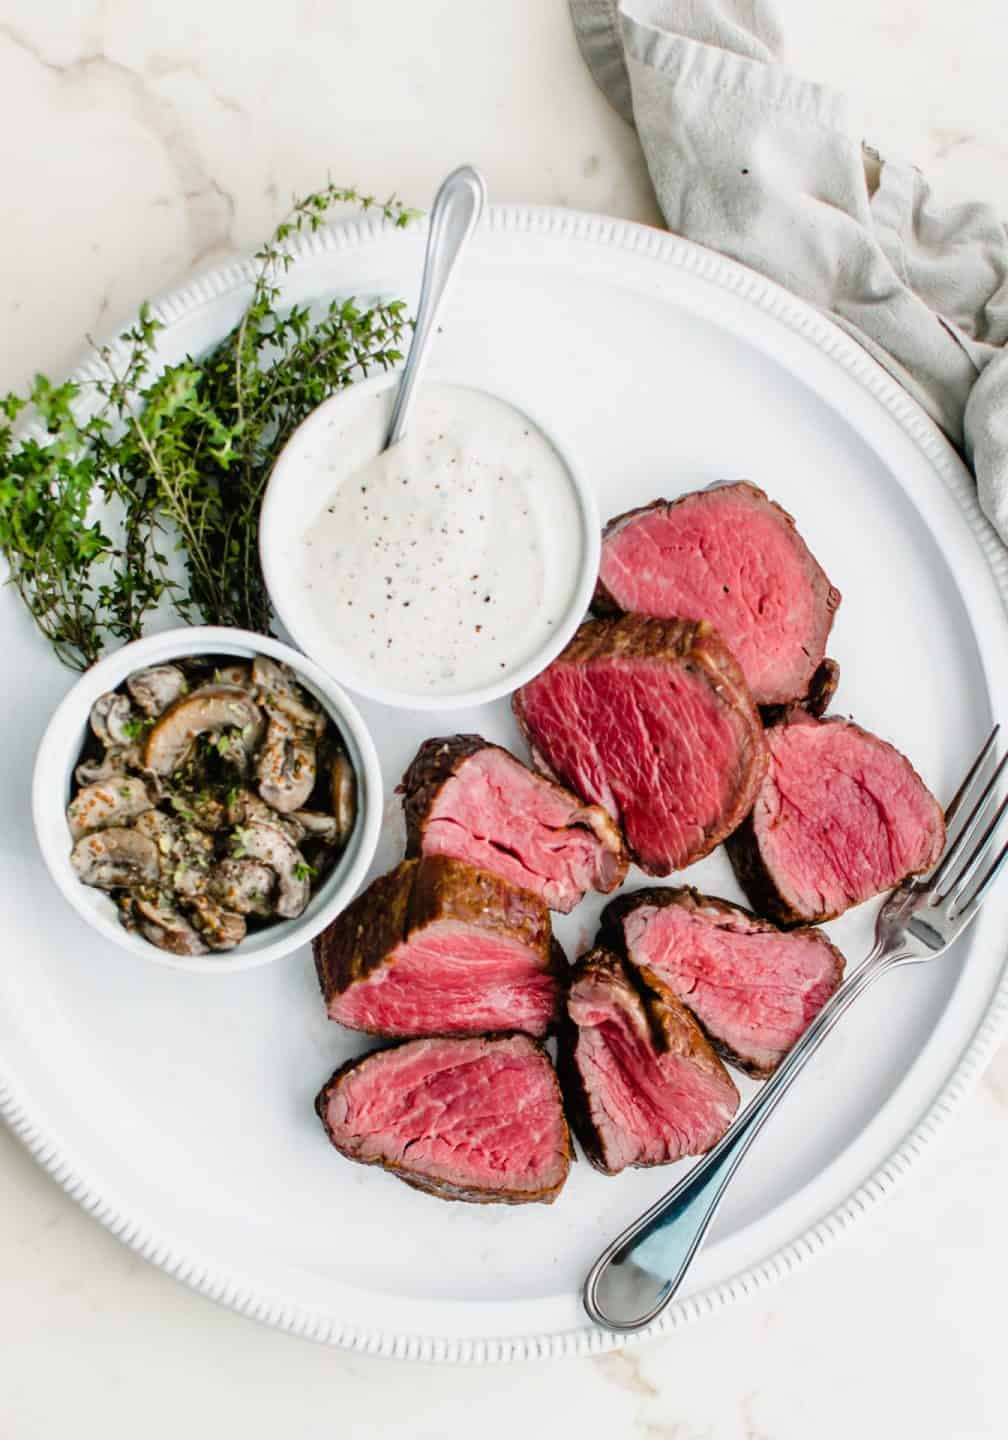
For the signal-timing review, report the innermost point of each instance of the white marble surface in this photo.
(141, 140)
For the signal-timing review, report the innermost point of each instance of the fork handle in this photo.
(637, 1276)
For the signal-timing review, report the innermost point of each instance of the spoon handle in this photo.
(456, 209)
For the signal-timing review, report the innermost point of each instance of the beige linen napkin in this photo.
(759, 163)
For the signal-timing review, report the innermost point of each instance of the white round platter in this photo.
(178, 1108)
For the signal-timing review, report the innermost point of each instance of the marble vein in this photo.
(209, 207)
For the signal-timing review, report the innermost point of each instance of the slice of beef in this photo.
(643, 1084)
(437, 948)
(754, 989)
(731, 556)
(474, 801)
(841, 816)
(477, 1119)
(652, 720)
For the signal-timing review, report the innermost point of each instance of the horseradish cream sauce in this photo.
(443, 564)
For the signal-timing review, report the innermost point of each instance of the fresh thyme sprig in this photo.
(176, 459)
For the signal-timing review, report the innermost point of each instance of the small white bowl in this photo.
(59, 753)
(297, 490)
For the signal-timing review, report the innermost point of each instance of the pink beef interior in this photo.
(647, 1108)
(497, 816)
(482, 1113)
(451, 978)
(728, 556)
(841, 816)
(754, 990)
(649, 741)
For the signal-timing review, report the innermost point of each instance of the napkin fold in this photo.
(756, 162)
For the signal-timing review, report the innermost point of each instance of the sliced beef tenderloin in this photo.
(477, 1119)
(437, 948)
(642, 1082)
(731, 556)
(753, 988)
(841, 816)
(474, 801)
(652, 720)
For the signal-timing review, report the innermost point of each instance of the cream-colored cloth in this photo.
(752, 160)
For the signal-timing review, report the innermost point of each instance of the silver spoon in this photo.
(457, 207)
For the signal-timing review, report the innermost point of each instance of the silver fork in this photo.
(638, 1275)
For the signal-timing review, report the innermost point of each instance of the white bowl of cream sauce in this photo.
(445, 571)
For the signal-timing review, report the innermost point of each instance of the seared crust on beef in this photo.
(756, 880)
(442, 1189)
(416, 892)
(575, 1095)
(699, 647)
(822, 688)
(612, 935)
(435, 762)
(358, 940)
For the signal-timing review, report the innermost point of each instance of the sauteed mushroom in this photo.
(318, 826)
(244, 886)
(278, 690)
(245, 806)
(211, 710)
(106, 803)
(116, 859)
(264, 842)
(344, 795)
(113, 762)
(168, 929)
(157, 687)
(220, 928)
(167, 817)
(111, 719)
(286, 767)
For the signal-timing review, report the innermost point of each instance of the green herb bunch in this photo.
(176, 459)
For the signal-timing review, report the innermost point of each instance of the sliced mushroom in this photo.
(235, 750)
(212, 709)
(163, 830)
(157, 687)
(344, 796)
(237, 674)
(200, 807)
(112, 719)
(168, 929)
(114, 762)
(278, 690)
(220, 928)
(318, 826)
(106, 803)
(244, 806)
(286, 767)
(116, 859)
(186, 854)
(244, 886)
(266, 843)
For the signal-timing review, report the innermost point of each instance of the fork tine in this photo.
(957, 885)
(969, 826)
(955, 804)
(965, 913)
